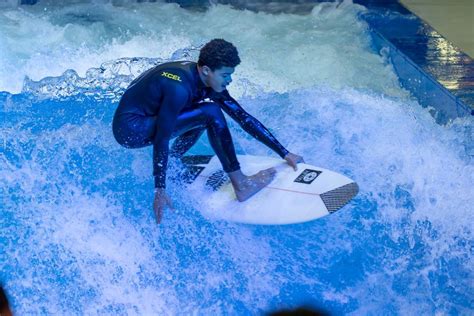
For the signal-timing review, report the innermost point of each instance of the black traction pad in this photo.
(339, 197)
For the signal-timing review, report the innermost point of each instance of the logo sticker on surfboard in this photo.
(217, 179)
(308, 176)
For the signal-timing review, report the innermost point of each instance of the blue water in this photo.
(78, 234)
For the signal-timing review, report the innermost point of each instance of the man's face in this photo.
(220, 78)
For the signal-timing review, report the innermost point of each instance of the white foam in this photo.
(278, 52)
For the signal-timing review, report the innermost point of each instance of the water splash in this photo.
(108, 81)
(79, 212)
(279, 53)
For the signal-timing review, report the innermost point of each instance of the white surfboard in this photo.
(292, 197)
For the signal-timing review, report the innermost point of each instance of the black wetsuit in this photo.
(167, 101)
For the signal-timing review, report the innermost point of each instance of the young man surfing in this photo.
(167, 101)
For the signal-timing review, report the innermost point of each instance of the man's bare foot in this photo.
(247, 186)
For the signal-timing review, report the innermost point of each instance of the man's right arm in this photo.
(175, 97)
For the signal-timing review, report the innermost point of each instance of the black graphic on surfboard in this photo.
(217, 180)
(193, 166)
(308, 176)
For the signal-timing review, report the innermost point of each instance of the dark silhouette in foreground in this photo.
(4, 308)
(300, 311)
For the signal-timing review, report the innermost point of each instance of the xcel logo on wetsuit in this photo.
(171, 76)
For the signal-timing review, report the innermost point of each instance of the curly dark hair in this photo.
(218, 53)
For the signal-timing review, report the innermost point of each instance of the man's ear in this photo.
(206, 70)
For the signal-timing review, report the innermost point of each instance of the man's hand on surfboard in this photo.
(161, 201)
(293, 160)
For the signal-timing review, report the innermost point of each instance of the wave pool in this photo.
(77, 230)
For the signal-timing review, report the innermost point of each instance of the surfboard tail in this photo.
(337, 198)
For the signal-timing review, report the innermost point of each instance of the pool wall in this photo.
(437, 73)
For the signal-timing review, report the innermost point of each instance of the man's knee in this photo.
(134, 131)
(213, 114)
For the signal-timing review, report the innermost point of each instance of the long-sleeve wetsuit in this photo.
(166, 102)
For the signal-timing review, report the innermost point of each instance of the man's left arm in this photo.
(254, 127)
